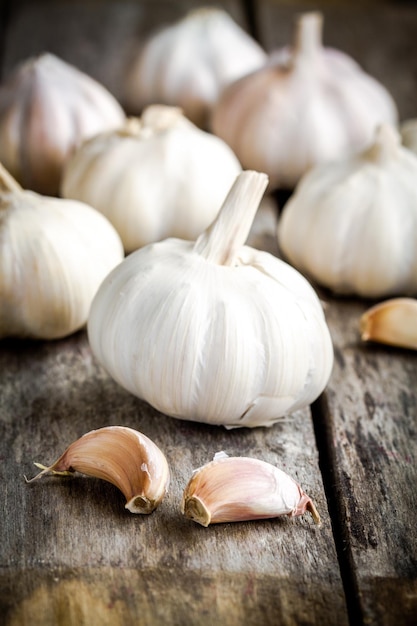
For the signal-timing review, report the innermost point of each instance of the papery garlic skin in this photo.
(235, 489)
(392, 322)
(157, 177)
(122, 456)
(54, 254)
(351, 225)
(307, 105)
(47, 108)
(213, 332)
(408, 130)
(188, 63)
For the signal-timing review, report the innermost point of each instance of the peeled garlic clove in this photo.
(47, 108)
(188, 63)
(121, 456)
(54, 254)
(393, 322)
(235, 489)
(307, 105)
(156, 177)
(213, 330)
(351, 225)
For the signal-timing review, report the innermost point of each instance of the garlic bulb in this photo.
(122, 456)
(158, 176)
(212, 330)
(309, 104)
(188, 63)
(53, 256)
(351, 225)
(393, 322)
(236, 489)
(47, 108)
(408, 130)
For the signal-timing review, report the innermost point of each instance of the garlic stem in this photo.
(122, 456)
(159, 117)
(386, 144)
(7, 183)
(155, 119)
(308, 34)
(220, 242)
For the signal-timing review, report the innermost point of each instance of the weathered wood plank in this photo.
(366, 421)
(70, 549)
(372, 407)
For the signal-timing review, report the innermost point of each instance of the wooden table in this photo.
(71, 554)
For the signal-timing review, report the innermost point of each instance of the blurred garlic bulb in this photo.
(309, 104)
(48, 107)
(158, 176)
(53, 256)
(408, 130)
(188, 63)
(351, 225)
(212, 330)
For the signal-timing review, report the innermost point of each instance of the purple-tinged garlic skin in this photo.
(47, 109)
(308, 105)
(235, 489)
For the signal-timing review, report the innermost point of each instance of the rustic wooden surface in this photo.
(71, 554)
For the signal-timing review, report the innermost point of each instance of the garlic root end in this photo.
(193, 508)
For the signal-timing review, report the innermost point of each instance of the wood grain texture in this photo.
(373, 405)
(70, 548)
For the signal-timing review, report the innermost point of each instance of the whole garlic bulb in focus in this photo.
(188, 63)
(47, 108)
(158, 176)
(53, 256)
(212, 330)
(351, 225)
(309, 104)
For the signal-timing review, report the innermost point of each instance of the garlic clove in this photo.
(121, 456)
(233, 489)
(393, 322)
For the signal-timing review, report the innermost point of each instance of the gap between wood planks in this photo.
(324, 434)
(322, 419)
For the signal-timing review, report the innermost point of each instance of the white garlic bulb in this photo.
(159, 176)
(351, 225)
(47, 108)
(188, 63)
(212, 330)
(309, 104)
(54, 254)
(408, 130)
